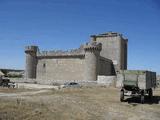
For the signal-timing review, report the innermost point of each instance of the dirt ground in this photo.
(86, 103)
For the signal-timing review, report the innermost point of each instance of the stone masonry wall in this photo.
(113, 48)
(110, 49)
(60, 69)
(105, 66)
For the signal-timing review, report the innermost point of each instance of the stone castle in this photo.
(104, 55)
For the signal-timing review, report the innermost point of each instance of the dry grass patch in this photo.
(86, 103)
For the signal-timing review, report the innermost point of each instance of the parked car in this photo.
(70, 85)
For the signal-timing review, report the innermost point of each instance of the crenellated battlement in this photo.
(31, 49)
(108, 34)
(72, 52)
(93, 46)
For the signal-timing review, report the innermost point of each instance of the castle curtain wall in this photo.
(105, 66)
(66, 68)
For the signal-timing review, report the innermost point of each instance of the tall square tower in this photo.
(114, 47)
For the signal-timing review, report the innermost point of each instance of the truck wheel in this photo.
(150, 93)
(142, 97)
(122, 95)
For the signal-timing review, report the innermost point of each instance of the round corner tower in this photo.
(31, 61)
(92, 53)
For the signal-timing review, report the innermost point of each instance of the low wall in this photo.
(102, 80)
(22, 80)
(51, 82)
(119, 81)
(106, 80)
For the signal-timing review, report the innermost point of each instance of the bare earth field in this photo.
(87, 103)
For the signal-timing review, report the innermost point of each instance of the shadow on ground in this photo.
(136, 100)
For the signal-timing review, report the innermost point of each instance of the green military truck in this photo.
(137, 83)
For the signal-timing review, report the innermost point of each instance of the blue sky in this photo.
(65, 24)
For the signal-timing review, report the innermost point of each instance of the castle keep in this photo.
(103, 55)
